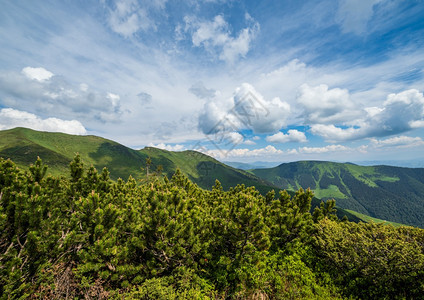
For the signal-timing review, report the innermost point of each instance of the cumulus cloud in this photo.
(247, 109)
(398, 142)
(332, 133)
(400, 113)
(235, 138)
(215, 37)
(176, 147)
(292, 135)
(44, 93)
(249, 142)
(323, 105)
(326, 149)
(11, 118)
(268, 151)
(39, 74)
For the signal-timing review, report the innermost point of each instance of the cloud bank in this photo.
(11, 118)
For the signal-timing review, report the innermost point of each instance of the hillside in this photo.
(390, 193)
(58, 149)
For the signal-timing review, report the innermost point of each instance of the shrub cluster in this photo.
(85, 236)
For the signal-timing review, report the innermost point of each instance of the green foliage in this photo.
(325, 210)
(86, 236)
(372, 260)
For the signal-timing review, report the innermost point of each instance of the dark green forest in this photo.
(87, 236)
(390, 193)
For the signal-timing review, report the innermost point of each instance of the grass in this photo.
(58, 149)
(331, 192)
(369, 219)
(368, 175)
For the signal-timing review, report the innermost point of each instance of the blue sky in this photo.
(240, 80)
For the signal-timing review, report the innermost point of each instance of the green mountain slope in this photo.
(203, 169)
(389, 193)
(58, 149)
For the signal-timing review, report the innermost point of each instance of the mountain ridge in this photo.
(23, 146)
(385, 192)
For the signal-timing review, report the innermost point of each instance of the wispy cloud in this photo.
(353, 15)
(127, 17)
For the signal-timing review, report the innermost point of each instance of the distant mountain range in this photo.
(413, 163)
(252, 165)
(388, 193)
(384, 192)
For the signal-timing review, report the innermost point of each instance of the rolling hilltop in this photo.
(391, 193)
(58, 149)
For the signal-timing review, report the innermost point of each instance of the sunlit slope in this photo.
(202, 169)
(58, 149)
(389, 193)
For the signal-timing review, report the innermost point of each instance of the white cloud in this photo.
(326, 149)
(266, 152)
(247, 109)
(234, 137)
(322, 105)
(400, 113)
(292, 152)
(249, 142)
(11, 118)
(292, 135)
(398, 142)
(176, 147)
(332, 133)
(416, 124)
(43, 94)
(216, 35)
(39, 74)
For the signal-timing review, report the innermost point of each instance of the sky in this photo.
(277, 81)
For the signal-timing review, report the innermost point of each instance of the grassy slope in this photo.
(389, 193)
(58, 149)
(203, 169)
(368, 219)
